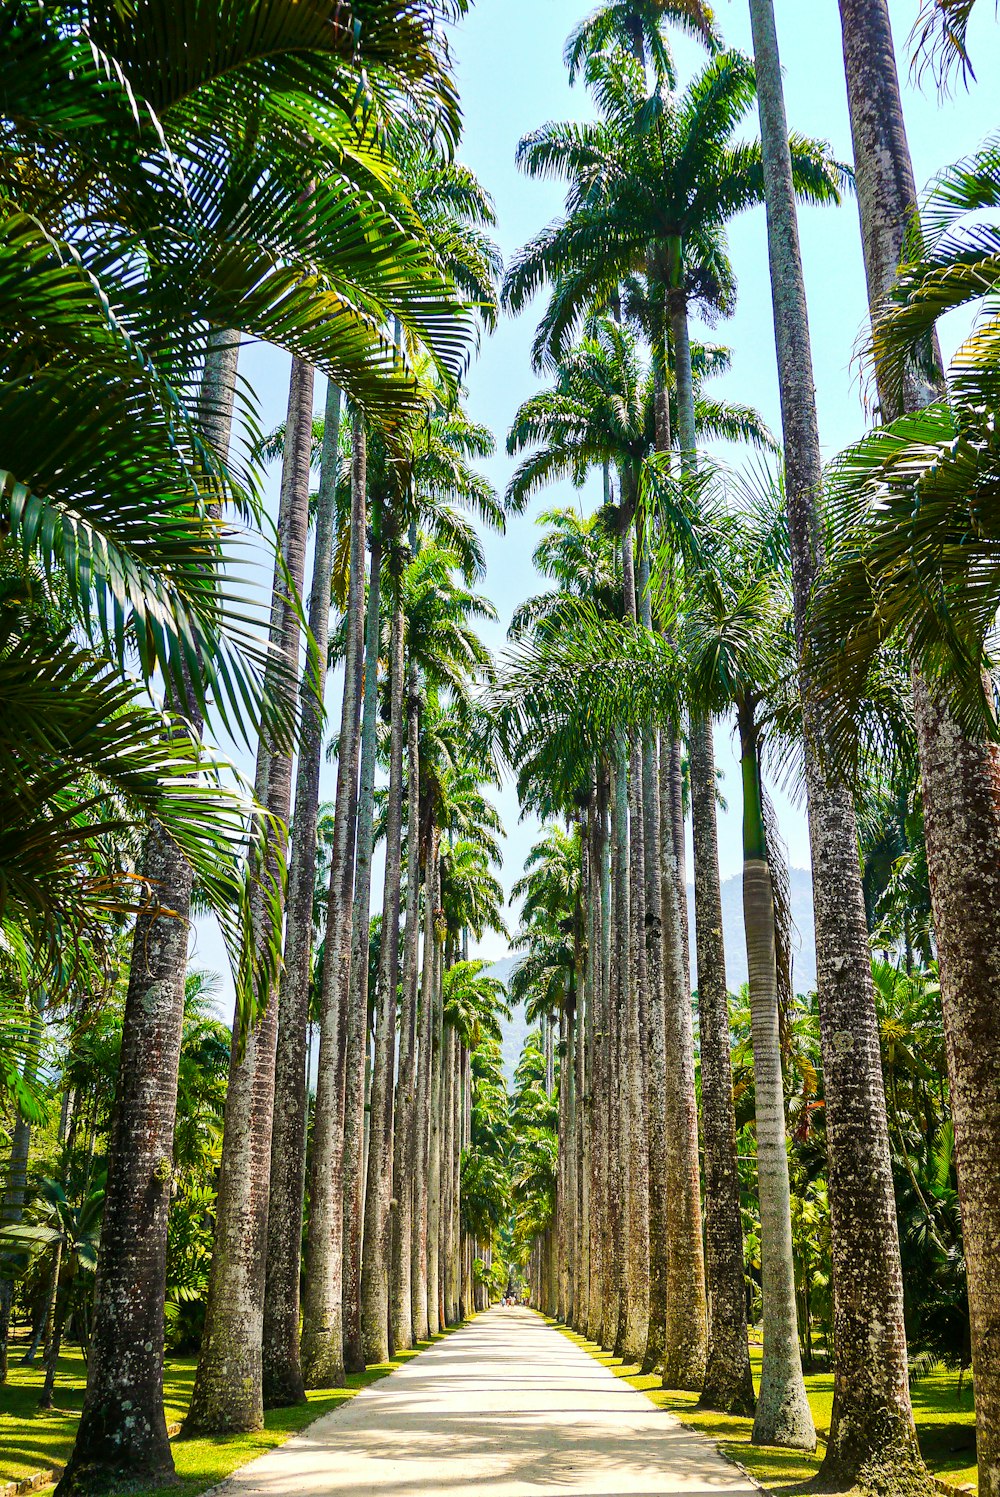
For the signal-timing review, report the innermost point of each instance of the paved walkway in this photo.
(506, 1406)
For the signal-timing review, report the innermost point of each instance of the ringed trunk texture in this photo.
(728, 1378)
(960, 779)
(872, 1422)
(228, 1388)
(357, 1002)
(283, 1380)
(783, 1413)
(617, 1186)
(434, 1213)
(597, 1071)
(404, 1139)
(686, 1342)
(122, 1434)
(322, 1307)
(378, 1196)
(421, 1149)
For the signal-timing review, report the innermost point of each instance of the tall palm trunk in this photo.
(872, 1418)
(228, 1386)
(422, 1123)
(17, 1169)
(449, 1296)
(357, 1000)
(728, 1379)
(435, 1059)
(633, 1324)
(378, 1196)
(617, 1186)
(637, 1306)
(283, 1380)
(783, 1413)
(960, 779)
(685, 1346)
(654, 1036)
(122, 1430)
(562, 1192)
(580, 1248)
(598, 1075)
(322, 1305)
(404, 1140)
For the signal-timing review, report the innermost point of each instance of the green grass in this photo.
(32, 1439)
(945, 1422)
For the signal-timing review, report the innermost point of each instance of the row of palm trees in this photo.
(688, 596)
(174, 182)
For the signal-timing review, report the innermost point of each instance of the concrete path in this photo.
(506, 1406)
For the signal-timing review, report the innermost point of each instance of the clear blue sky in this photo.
(509, 61)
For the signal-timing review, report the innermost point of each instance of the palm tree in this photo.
(728, 1378)
(322, 1312)
(232, 306)
(872, 1417)
(734, 634)
(968, 820)
(68, 1232)
(375, 1326)
(228, 1391)
(282, 1366)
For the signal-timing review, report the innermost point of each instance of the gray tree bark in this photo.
(872, 1420)
(685, 1346)
(283, 1380)
(378, 1196)
(960, 778)
(421, 1152)
(228, 1387)
(122, 1434)
(728, 1379)
(404, 1141)
(357, 992)
(322, 1300)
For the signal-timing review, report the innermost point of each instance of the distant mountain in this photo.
(803, 948)
(803, 936)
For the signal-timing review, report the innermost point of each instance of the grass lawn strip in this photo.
(945, 1423)
(33, 1439)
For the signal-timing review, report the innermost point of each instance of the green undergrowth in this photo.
(944, 1417)
(33, 1439)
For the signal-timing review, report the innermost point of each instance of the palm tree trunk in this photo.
(582, 1050)
(322, 1307)
(404, 1161)
(560, 1222)
(728, 1379)
(228, 1388)
(436, 1056)
(617, 1167)
(960, 779)
(597, 1070)
(637, 1309)
(872, 1417)
(448, 1172)
(357, 1000)
(685, 1346)
(654, 1037)
(17, 1169)
(55, 1315)
(421, 1152)
(378, 1196)
(783, 1413)
(122, 1431)
(283, 1380)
